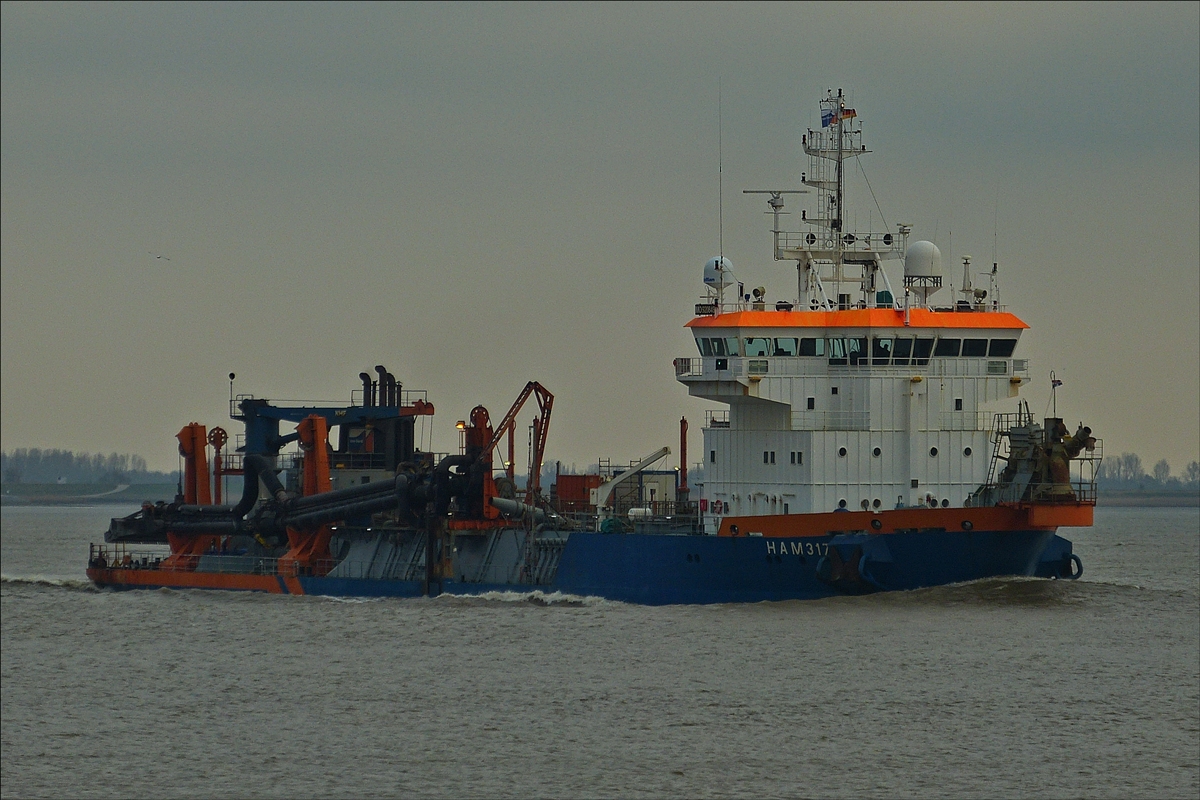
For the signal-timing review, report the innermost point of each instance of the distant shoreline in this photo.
(62, 494)
(1150, 500)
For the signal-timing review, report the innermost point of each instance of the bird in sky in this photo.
(157, 256)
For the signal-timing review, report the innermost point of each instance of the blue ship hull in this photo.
(655, 569)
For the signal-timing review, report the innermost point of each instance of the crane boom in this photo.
(541, 429)
(601, 493)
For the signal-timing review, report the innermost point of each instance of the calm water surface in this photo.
(1002, 688)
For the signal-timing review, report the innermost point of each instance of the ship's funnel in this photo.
(923, 270)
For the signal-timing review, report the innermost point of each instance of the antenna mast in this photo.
(836, 222)
(720, 179)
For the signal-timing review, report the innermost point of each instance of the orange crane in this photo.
(541, 428)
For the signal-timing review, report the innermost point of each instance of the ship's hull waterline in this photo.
(661, 569)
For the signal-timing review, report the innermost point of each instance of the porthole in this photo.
(841, 503)
(865, 504)
(876, 503)
(876, 452)
(876, 524)
(967, 525)
(933, 452)
(945, 504)
(966, 451)
(842, 452)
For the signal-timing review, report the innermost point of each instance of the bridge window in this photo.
(718, 346)
(785, 347)
(843, 351)
(881, 351)
(947, 348)
(921, 350)
(812, 403)
(1002, 348)
(974, 348)
(857, 350)
(712, 456)
(768, 456)
(758, 346)
(901, 351)
(812, 347)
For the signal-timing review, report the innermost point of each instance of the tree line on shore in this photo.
(1126, 472)
(34, 465)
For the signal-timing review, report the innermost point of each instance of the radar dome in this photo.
(718, 273)
(923, 260)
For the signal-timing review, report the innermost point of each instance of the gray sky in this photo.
(481, 195)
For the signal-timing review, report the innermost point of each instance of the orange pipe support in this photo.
(186, 551)
(314, 441)
(193, 441)
(308, 553)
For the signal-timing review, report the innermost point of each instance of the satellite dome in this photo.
(923, 260)
(718, 273)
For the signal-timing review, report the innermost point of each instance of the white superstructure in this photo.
(851, 395)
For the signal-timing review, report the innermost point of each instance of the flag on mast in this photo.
(831, 115)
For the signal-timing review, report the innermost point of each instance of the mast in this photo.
(822, 251)
(836, 222)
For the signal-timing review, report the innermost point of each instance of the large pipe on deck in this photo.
(215, 527)
(514, 508)
(394, 495)
(337, 513)
(257, 468)
(350, 493)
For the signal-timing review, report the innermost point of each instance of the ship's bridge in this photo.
(750, 343)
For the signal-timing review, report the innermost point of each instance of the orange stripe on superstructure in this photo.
(862, 318)
(992, 518)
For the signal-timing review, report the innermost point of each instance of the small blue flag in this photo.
(827, 117)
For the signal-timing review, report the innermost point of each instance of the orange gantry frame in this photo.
(193, 441)
(314, 440)
(308, 551)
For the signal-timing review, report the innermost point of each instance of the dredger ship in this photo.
(853, 457)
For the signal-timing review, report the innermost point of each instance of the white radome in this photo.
(718, 273)
(923, 260)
